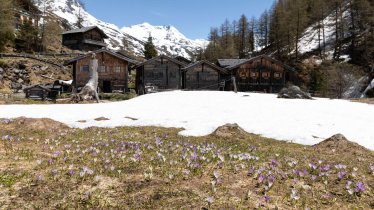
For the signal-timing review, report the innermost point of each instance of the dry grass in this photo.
(364, 100)
(44, 167)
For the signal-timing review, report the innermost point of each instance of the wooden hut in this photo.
(113, 70)
(38, 92)
(261, 73)
(161, 73)
(84, 39)
(203, 75)
(26, 11)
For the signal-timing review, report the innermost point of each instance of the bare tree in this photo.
(89, 91)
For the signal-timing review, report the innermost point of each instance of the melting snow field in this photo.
(200, 113)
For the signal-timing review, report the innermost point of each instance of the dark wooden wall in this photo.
(260, 75)
(116, 72)
(75, 40)
(202, 77)
(160, 72)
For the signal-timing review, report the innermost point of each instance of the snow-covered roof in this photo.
(85, 29)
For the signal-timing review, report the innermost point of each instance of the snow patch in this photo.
(200, 113)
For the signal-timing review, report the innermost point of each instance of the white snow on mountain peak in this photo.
(167, 39)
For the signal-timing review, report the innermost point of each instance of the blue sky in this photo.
(194, 18)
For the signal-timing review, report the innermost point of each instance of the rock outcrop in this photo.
(294, 92)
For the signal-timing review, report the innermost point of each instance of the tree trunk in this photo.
(89, 91)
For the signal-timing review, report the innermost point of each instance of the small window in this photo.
(265, 75)
(117, 69)
(86, 68)
(254, 75)
(277, 75)
(102, 69)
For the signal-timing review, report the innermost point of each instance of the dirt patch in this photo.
(82, 121)
(340, 144)
(228, 130)
(131, 118)
(39, 124)
(101, 119)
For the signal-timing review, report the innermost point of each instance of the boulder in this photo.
(16, 86)
(43, 68)
(369, 91)
(1, 70)
(1, 77)
(20, 81)
(294, 92)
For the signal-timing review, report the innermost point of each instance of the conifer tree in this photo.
(27, 37)
(6, 23)
(149, 49)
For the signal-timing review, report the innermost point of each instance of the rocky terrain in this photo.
(16, 73)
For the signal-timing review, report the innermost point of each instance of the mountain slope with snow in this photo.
(167, 39)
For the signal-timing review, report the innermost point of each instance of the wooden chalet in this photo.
(113, 71)
(26, 11)
(162, 72)
(261, 73)
(84, 39)
(203, 75)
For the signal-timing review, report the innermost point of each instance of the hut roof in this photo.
(100, 51)
(181, 58)
(34, 86)
(259, 57)
(192, 65)
(85, 29)
(227, 63)
(161, 56)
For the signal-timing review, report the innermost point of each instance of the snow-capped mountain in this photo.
(167, 39)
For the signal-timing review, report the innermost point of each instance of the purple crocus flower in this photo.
(5, 138)
(197, 165)
(266, 198)
(158, 141)
(360, 187)
(187, 172)
(341, 174)
(261, 179)
(312, 166)
(372, 167)
(54, 171)
(216, 174)
(71, 172)
(210, 200)
(251, 171)
(326, 167)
